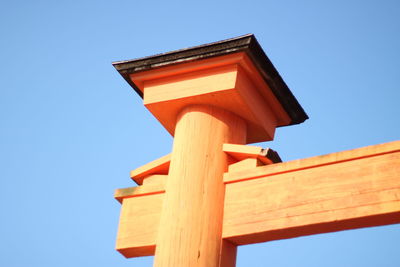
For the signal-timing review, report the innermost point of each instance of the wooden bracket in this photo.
(158, 166)
(248, 157)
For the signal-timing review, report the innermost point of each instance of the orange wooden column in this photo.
(206, 96)
(190, 231)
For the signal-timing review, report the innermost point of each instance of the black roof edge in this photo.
(247, 43)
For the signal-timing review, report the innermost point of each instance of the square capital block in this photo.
(234, 75)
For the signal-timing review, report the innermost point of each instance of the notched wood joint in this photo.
(248, 157)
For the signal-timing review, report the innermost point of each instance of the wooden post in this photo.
(191, 220)
(213, 193)
(206, 96)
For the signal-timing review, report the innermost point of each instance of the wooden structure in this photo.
(215, 192)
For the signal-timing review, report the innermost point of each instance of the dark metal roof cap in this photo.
(246, 43)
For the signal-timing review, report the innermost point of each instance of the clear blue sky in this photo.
(71, 128)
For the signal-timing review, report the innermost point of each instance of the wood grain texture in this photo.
(345, 190)
(155, 179)
(358, 192)
(138, 225)
(190, 232)
(313, 162)
(190, 84)
(245, 164)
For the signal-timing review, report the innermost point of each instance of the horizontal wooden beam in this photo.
(346, 190)
(245, 164)
(138, 225)
(313, 162)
